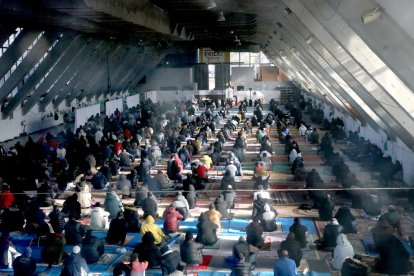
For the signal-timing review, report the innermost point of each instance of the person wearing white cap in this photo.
(75, 264)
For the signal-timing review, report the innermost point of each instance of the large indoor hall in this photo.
(206, 137)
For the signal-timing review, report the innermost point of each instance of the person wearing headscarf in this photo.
(92, 247)
(343, 250)
(346, 219)
(148, 251)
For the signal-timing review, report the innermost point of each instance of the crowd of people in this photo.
(101, 156)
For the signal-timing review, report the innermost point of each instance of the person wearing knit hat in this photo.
(75, 264)
(24, 264)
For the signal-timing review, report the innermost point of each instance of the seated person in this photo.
(343, 250)
(254, 232)
(180, 203)
(148, 251)
(118, 229)
(346, 219)
(132, 218)
(163, 180)
(354, 267)
(293, 248)
(393, 258)
(393, 218)
(381, 233)
(113, 204)
(221, 205)
(54, 249)
(214, 216)
(300, 232)
(284, 265)
(171, 219)
(74, 231)
(190, 250)
(330, 233)
(170, 261)
(206, 230)
(150, 206)
(24, 264)
(242, 248)
(326, 208)
(268, 218)
(228, 180)
(261, 179)
(229, 196)
(92, 248)
(99, 218)
(150, 226)
(191, 197)
(258, 206)
(372, 205)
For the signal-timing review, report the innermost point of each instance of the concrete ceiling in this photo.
(361, 69)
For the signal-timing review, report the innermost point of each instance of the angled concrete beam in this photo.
(16, 50)
(95, 72)
(84, 74)
(114, 71)
(139, 12)
(76, 46)
(37, 52)
(75, 68)
(54, 54)
(5, 33)
(102, 75)
(149, 66)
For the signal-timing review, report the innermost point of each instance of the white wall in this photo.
(397, 150)
(168, 77)
(132, 101)
(242, 76)
(34, 121)
(112, 106)
(83, 114)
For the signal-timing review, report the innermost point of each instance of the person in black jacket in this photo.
(254, 233)
(326, 208)
(150, 206)
(229, 195)
(92, 248)
(132, 219)
(24, 264)
(300, 232)
(206, 233)
(242, 249)
(99, 181)
(258, 206)
(191, 197)
(57, 220)
(393, 258)
(190, 250)
(118, 229)
(346, 219)
(12, 219)
(354, 267)
(170, 261)
(71, 206)
(74, 231)
(141, 193)
(330, 233)
(293, 248)
(148, 251)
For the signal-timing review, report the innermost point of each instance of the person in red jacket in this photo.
(6, 198)
(171, 220)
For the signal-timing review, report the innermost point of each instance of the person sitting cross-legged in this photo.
(190, 250)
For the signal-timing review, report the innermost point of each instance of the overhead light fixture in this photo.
(310, 39)
(287, 11)
(220, 17)
(211, 5)
(371, 15)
